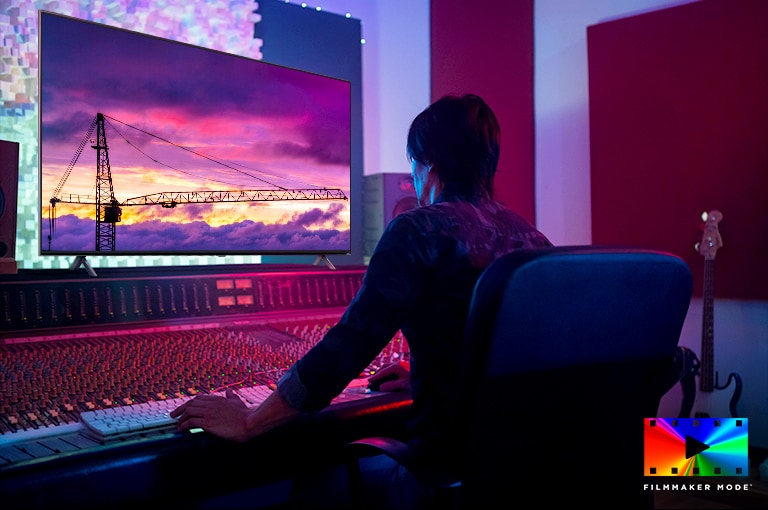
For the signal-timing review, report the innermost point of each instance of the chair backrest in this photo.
(567, 350)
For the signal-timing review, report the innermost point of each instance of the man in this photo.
(419, 280)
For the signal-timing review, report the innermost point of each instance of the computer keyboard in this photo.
(150, 417)
(154, 417)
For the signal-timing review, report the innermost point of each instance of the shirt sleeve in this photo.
(391, 286)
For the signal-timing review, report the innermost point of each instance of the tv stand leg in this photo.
(80, 261)
(324, 259)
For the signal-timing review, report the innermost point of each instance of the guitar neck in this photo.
(707, 369)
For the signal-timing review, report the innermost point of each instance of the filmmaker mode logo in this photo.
(696, 447)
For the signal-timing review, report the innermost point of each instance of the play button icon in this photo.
(693, 446)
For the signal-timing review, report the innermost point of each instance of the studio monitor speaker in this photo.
(9, 186)
(385, 196)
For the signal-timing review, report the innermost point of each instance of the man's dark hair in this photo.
(460, 137)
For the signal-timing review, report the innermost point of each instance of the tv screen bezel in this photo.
(198, 251)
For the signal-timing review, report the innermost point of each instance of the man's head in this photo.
(458, 138)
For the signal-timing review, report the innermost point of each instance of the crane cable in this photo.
(196, 153)
(67, 172)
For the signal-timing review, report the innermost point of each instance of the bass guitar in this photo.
(707, 247)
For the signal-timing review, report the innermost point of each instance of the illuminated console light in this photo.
(245, 300)
(226, 300)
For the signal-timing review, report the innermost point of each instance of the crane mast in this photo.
(107, 210)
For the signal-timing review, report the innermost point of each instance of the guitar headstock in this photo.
(710, 237)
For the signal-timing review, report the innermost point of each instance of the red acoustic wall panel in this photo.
(679, 126)
(486, 47)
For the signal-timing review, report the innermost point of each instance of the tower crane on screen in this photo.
(109, 210)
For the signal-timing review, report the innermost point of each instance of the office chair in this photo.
(566, 350)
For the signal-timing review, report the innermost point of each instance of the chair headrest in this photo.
(545, 308)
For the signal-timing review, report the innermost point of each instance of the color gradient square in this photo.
(695, 447)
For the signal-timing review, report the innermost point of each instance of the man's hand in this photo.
(228, 417)
(225, 417)
(394, 377)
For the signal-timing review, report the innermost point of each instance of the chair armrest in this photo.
(369, 446)
(401, 453)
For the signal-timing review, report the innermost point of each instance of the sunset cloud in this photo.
(304, 233)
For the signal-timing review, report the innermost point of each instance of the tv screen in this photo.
(154, 147)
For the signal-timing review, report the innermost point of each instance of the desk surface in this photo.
(189, 468)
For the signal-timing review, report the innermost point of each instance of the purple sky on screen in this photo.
(181, 118)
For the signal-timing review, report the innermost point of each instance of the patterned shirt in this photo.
(419, 280)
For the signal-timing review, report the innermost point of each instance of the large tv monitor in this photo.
(154, 147)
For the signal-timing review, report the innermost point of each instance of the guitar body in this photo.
(713, 404)
(707, 401)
